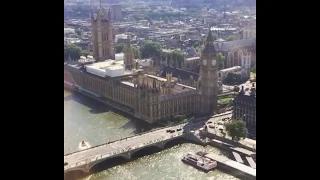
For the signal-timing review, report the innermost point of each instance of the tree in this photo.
(220, 59)
(236, 89)
(150, 49)
(215, 36)
(233, 78)
(119, 48)
(179, 118)
(136, 52)
(73, 51)
(253, 69)
(176, 57)
(85, 53)
(236, 129)
(231, 38)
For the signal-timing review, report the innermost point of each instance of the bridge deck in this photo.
(104, 151)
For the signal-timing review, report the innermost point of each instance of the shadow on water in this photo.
(97, 107)
(73, 175)
(108, 164)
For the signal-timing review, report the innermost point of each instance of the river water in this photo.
(85, 119)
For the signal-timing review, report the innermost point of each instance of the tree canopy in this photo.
(236, 129)
(136, 52)
(176, 57)
(179, 118)
(236, 89)
(233, 78)
(150, 49)
(74, 52)
(119, 48)
(253, 69)
(231, 38)
(220, 59)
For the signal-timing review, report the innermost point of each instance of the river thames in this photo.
(95, 123)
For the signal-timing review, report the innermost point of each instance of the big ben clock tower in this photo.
(208, 84)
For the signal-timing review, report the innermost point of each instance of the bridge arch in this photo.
(147, 150)
(103, 164)
(175, 141)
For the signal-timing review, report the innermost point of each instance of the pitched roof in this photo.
(209, 47)
(228, 45)
(176, 72)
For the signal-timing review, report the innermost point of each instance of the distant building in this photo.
(238, 52)
(249, 32)
(116, 12)
(244, 108)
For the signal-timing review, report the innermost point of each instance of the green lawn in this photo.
(224, 100)
(252, 75)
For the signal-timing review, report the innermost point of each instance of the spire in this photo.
(209, 47)
(92, 16)
(109, 14)
(210, 37)
(100, 4)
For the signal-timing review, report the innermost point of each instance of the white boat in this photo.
(84, 145)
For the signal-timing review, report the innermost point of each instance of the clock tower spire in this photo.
(208, 82)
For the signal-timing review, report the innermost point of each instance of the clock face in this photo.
(213, 62)
(204, 62)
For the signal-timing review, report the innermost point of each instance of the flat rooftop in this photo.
(192, 58)
(230, 69)
(109, 67)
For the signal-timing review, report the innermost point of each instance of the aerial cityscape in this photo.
(159, 89)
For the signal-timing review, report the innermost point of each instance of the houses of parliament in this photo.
(149, 96)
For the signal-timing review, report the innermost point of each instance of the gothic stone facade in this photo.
(102, 36)
(150, 97)
(244, 108)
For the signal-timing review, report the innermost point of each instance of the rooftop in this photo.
(230, 69)
(109, 67)
(176, 72)
(228, 45)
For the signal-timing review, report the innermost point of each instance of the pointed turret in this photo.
(209, 47)
(92, 16)
(100, 14)
(128, 55)
(109, 15)
(209, 37)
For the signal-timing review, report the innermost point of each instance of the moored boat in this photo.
(199, 161)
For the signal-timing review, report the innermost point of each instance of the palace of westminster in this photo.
(151, 94)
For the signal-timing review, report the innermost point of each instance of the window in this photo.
(107, 37)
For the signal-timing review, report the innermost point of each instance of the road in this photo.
(130, 143)
(215, 130)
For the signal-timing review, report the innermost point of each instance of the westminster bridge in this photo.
(86, 159)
